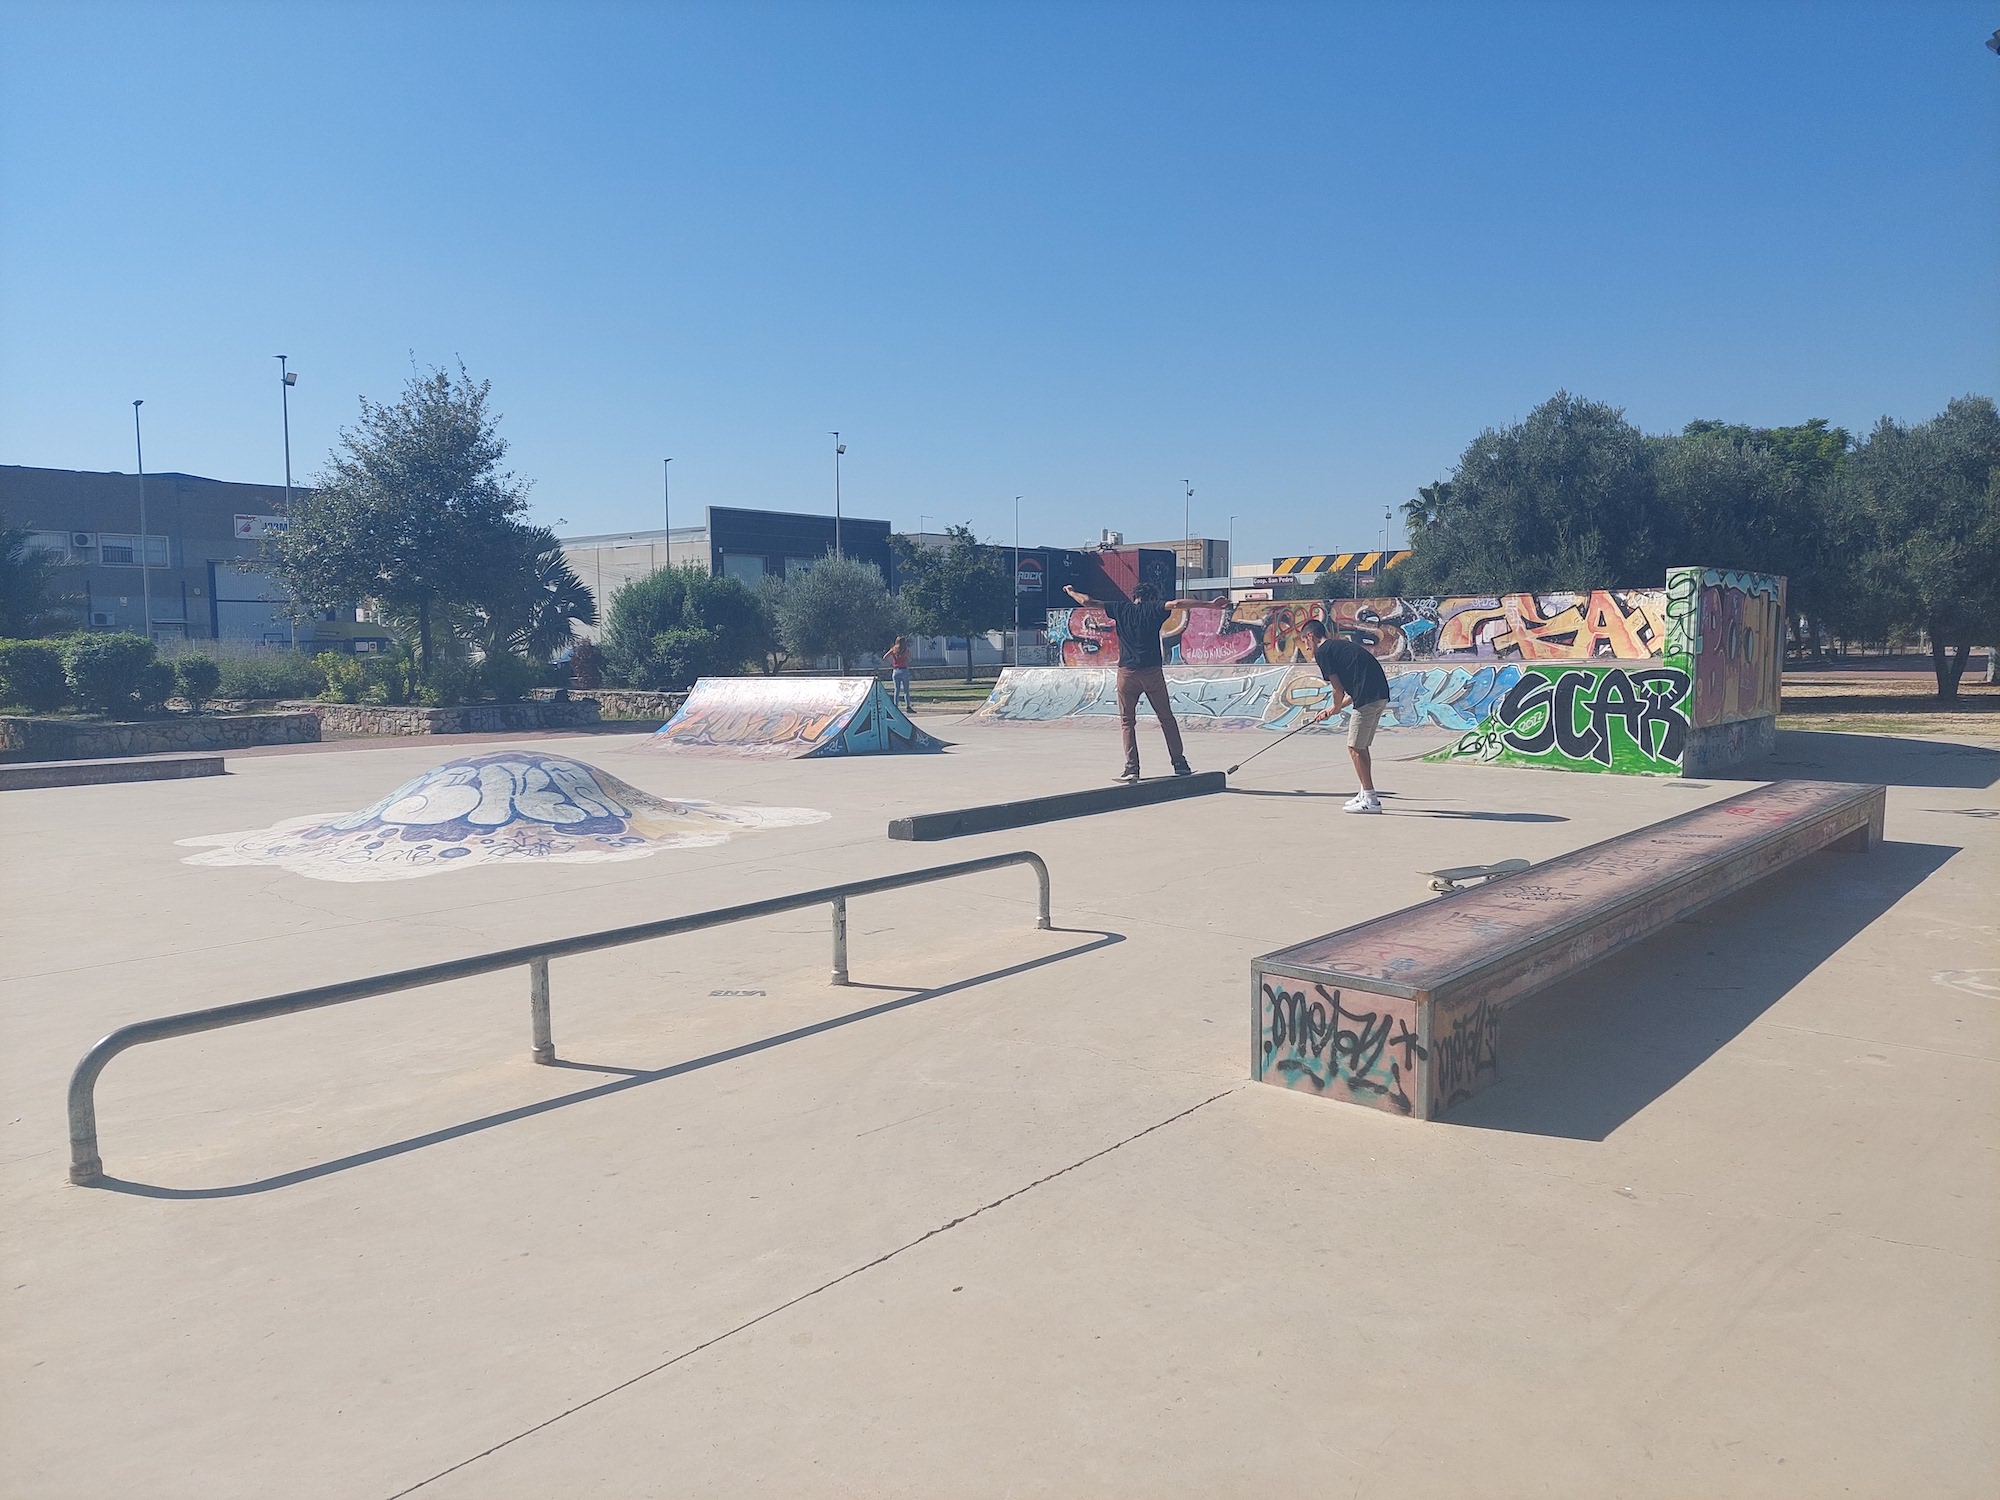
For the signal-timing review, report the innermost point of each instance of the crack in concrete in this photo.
(847, 1275)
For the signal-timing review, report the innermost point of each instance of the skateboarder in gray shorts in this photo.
(1357, 678)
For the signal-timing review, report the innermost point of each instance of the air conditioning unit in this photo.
(80, 541)
(103, 617)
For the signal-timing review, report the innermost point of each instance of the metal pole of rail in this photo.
(538, 1011)
(87, 1167)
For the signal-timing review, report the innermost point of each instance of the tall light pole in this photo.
(1017, 580)
(1231, 559)
(667, 507)
(1187, 533)
(286, 380)
(838, 448)
(1383, 568)
(145, 549)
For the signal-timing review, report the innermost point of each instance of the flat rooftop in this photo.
(1006, 1217)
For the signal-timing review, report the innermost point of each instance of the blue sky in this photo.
(1298, 254)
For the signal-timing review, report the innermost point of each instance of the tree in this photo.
(412, 510)
(532, 609)
(839, 608)
(958, 589)
(677, 624)
(1761, 499)
(35, 599)
(1922, 506)
(1563, 500)
(770, 603)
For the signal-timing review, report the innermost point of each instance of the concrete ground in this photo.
(1004, 1218)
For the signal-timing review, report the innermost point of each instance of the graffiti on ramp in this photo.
(491, 809)
(798, 718)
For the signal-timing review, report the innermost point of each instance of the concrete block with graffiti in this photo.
(1709, 700)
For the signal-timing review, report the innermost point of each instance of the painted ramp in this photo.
(802, 718)
(1245, 697)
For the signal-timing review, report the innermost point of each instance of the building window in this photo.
(744, 567)
(119, 550)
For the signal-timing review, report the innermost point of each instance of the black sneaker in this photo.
(1182, 768)
(1129, 775)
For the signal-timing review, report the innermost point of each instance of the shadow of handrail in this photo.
(631, 1078)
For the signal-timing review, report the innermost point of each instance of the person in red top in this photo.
(1141, 669)
(898, 658)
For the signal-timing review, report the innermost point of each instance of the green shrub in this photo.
(507, 676)
(198, 677)
(346, 679)
(391, 676)
(31, 675)
(107, 672)
(272, 674)
(156, 686)
(450, 682)
(708, 624)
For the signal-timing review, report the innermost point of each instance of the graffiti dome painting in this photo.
(491, 809)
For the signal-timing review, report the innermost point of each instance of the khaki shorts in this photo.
(1362, 723)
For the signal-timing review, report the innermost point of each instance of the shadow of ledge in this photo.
(628, 1078)
(1579, 1060)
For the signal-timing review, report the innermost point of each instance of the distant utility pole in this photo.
(667, 507)
(1230, 561)
(145, 549)
(838, 448)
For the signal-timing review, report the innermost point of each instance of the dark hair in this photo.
(1145, 593)
(1317, 627)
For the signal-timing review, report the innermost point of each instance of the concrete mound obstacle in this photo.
(491, 809)
(799, 718)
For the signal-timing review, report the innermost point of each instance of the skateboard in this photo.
(1444, 882)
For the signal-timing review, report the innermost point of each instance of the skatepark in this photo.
(1005, 1213)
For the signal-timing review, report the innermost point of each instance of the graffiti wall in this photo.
(1622, 624)
(1586, 718)
(1732, 628)
(1278, 698)
(1357, 1048)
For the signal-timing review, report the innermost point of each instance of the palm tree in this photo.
(536, 606)
(33, 599)
(1428, 509)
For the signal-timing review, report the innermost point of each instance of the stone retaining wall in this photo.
(621, 703)
(352, 720)
(33, 738)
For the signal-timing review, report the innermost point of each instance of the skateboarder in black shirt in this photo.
(1355, 677)
(1141, 669)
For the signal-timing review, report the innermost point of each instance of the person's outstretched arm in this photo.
(1198, 604)
(1083, 599)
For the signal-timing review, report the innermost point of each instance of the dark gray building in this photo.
(202, 542)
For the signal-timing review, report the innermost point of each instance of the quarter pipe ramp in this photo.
(799, 718)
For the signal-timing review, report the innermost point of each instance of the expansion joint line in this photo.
(848, 1275)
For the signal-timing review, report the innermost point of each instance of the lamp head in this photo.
(291, 377)
(840, 447)
(139, 403)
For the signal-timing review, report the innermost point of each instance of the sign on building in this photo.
(255, 528)
(1028, 576)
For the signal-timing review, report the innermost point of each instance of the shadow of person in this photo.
(1582, 1058)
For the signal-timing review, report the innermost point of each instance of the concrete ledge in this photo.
(926, 827)
(40, 773)
(357, 720)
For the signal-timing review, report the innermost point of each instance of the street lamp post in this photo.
(1187, 533)
(1231, 559)
(1017, 581)
(286, 380)
(838, 448)
(145, 550)
(667, 508)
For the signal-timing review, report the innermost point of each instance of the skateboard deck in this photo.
(1444, 882)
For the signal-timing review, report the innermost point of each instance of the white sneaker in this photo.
(1362, 802)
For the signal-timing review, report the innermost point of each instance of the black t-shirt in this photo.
(1360, 674)
(1139, 633)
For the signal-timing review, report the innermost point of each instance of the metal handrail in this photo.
(86, 1167)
